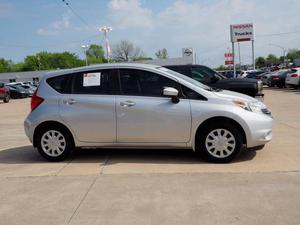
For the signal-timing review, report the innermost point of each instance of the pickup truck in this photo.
(4, 93)
(206, 75)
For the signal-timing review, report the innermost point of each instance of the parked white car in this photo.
(142, 106)
(293, 79)
(244, 73)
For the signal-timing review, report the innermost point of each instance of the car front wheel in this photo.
(55, 144)
(219, 143)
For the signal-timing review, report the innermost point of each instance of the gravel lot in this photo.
(152, 186)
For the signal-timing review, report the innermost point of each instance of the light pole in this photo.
(283, 51)
(85, 47)
(106, 30)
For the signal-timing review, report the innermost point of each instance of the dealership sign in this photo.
(241, 32)
(228, 58)
(187, 52)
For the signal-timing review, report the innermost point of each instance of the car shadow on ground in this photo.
(29, 155)
(291, 90)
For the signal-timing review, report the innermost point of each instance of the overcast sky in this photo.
(31, 26)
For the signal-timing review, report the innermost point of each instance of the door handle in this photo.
(70, 101)
(127, 103)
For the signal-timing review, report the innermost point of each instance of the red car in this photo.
(4, 93)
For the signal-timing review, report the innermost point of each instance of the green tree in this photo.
(162, 54)
(293, 54)
(50, 61)
(272, 60)
(220, 68)
(142, 58)
(260, 62)
(95, 54)
(5, 65)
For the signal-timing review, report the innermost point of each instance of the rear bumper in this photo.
(27, 129)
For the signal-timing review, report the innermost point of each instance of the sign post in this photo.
(239, 33)
(233, 60)
(253, 58)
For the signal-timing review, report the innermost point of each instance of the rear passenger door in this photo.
(89, 106)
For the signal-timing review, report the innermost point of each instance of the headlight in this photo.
(254, 106)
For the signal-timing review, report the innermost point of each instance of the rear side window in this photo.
(95, 83)
(59, 83)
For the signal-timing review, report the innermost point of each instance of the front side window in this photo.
(92, 82)
(144, 83)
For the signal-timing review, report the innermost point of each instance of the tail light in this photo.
(35, 100)
(295, 75)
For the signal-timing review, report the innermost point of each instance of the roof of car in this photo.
(101, 66)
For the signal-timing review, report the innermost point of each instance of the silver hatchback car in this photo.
(142, 106)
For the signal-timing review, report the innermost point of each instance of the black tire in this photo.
(6, 98)
(69, 143)
(280, 85)
(203, 135)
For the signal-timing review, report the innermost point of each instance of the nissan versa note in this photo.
(142, 106)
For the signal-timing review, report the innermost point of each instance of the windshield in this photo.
(185, 78)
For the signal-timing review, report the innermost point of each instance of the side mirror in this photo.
(171, 92)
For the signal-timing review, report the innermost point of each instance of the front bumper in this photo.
(259, 130)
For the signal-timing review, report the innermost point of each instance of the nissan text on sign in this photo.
(241, 32)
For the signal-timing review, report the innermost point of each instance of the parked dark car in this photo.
(213, 79)
(17, 92)
(4, 93)
(278, 78)
(255, 75)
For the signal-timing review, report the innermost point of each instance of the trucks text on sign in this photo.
(242, 32)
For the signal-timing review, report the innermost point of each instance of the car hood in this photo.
(231, 95)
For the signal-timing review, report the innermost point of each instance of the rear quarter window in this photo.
(59, 83)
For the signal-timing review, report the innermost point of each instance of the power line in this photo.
(74, 12)
(277, 34)
(17, 45)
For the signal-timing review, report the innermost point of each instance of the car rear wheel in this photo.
(280, 85)
(55, 144)
(219, 143)
(6, 98)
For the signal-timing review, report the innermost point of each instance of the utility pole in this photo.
(233, 60)
(85, 47)
(240, 63)
(253, 57)
(106, 30)
(283, 51)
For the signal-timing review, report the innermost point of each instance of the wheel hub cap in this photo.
(53, 143)
(220, 143)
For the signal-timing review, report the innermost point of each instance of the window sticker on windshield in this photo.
(91, 79)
